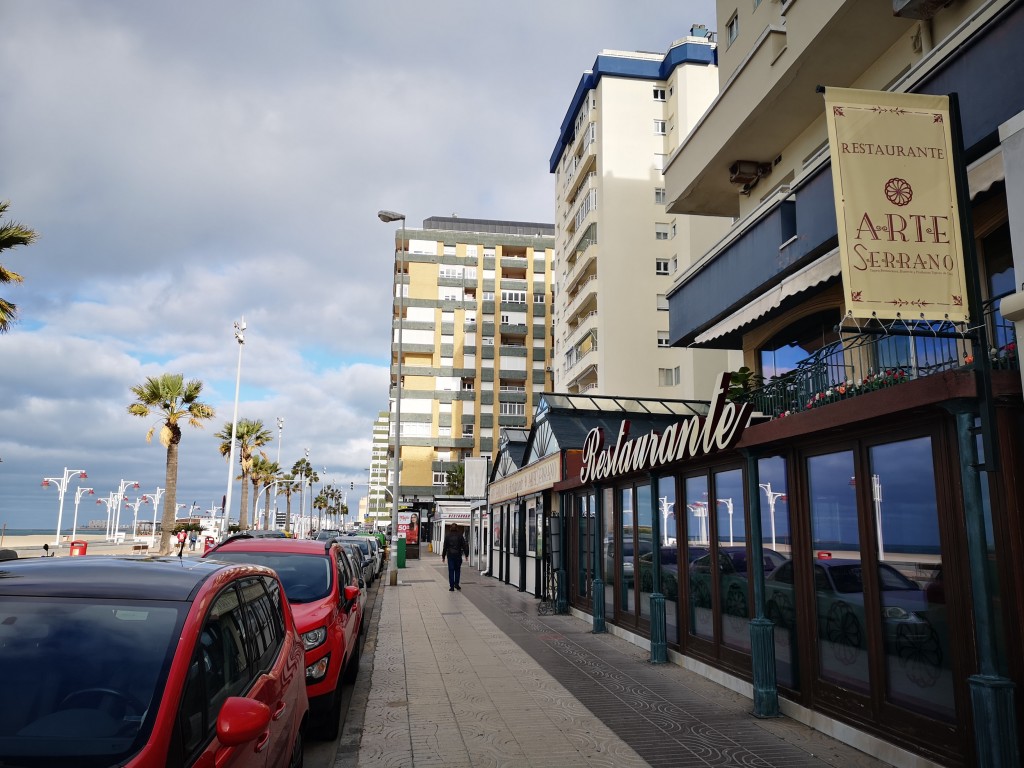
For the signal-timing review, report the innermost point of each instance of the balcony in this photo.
(583, 301)
(864, 363)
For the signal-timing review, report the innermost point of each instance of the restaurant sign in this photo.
(896, 205)
(690, 438)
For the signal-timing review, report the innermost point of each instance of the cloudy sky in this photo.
(187, 164)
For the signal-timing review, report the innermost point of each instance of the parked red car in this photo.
(147, 662)
(328, 608)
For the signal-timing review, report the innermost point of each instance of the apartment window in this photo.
(659, 127)
(662, 302)
(674, 264)
(488, 341)
(733, 28)
(538, 298)
(673, 230)
(444, 431)
(659, 94)
(467, 430)
(514, 296)
(487, 296)
(661, 231)
(512, 409)
(659, 195)
(440, 479)
(668, 377)
(663, 339)
(661, 266)
(505, 320)
(659, 162)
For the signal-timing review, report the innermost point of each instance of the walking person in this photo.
(454, 548)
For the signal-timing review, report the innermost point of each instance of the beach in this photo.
(96, 544)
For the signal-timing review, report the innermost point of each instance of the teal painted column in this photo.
(992, 695)
(597, 595)
(762, 630)
(659, 646)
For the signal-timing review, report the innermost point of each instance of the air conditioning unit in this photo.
(747, 172)
(918, 9)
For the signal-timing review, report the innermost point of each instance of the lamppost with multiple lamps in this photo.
(125, 484)
(134, 506)
(773, 496)
(62, 487)
(155, 498)
(240, 338)
(390, 217)
(110, 501)
(79, 493)
(280, 437)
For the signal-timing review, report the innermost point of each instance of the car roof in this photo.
(244, 543)
(107, 576)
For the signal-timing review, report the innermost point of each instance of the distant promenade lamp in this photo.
(125, 485)
(155, 498)
(134, 506)
(773, 496)
(390, 217)
(110, 502)
(240, 338)
(62, 487)
(79, 493)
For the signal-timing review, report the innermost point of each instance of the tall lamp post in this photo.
(155, 498)
(125, 484)
(240, 338)
(110, 501)
(135, 514)
(79, 493)
(390, 217)
(280, 436)
(62, 487)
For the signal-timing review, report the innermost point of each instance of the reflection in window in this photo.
(915, 625)
(608, 561)
(733, 582)
(669, 556)
(698, 553)
(644, 554)
(835, 540)
(780, 602)
(627, 594)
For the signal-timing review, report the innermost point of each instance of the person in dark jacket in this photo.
(454, 548)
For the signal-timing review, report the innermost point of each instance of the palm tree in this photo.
(263, 473)
(11, 234)
(287, 487)
(173, 399)
(249, 434)
(304, 470)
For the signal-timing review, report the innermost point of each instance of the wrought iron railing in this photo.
(863, 362)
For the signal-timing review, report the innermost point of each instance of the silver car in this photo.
(363, 560)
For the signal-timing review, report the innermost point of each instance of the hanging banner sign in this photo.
(896, 205)
(696, 436)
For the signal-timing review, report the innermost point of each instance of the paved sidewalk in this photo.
(479, 678)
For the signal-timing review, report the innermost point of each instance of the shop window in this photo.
(733, 565)
(669, 555)
(531, 528)
(777, 552)
(797, 342)
(608, 550)
(698, 555)
(643, 555)
(627, 587)
(915, 625)
(838, 577)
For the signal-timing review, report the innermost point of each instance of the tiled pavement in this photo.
(479, 678)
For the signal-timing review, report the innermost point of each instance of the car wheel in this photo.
(352, 670)
(297, 755)
(330, 725)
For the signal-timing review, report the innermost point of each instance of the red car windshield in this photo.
(305, 578)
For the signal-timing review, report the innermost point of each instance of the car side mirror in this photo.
(241, 720)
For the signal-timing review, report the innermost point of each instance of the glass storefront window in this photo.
(669, 556)
(608, 546)
(838, 582)
(733, 582)
(644, 555)
(583, 555)
(915, 625)
(698, 544)
(780, 600)
(627, 590)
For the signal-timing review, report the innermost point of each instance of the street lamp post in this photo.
(62, 487)
(155, 498)
(727, 503)
(240, 338)
(125, 484)
(78, 497)
(280, 436)
(389, 217)
(110, 501)
(134, 505)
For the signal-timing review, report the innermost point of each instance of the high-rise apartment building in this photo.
(378, 505)
(616, 248)
(476, 340)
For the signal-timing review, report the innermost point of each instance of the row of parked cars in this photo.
(230, 659)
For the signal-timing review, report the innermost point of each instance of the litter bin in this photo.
(208, 543)
(401, 553)
(79, 548)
